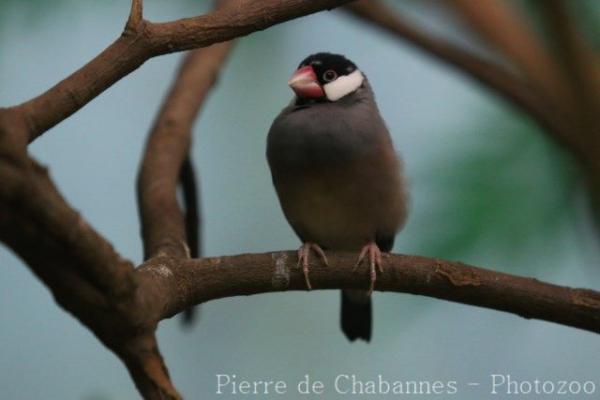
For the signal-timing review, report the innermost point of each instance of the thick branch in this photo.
(200, 280)
(142, 40)
(81, 269)
(33, 213)
(147, 368)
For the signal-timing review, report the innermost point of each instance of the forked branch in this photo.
(142, 40)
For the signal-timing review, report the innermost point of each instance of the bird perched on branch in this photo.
(337, 175)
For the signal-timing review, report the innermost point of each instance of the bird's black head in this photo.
(326, 76)
(328, 66)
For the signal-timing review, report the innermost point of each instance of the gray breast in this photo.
(323, 134)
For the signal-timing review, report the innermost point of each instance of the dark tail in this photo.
(357, 315)
(188, 182)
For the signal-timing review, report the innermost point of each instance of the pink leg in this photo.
(303, 256)
(374, 261)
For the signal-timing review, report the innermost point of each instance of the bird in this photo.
(337, 175)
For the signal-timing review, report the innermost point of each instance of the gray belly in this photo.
(344, 207)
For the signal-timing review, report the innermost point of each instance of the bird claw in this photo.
(303, 256)
(375, 263)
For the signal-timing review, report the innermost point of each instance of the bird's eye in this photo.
(329, 75)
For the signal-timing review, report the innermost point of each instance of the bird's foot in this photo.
(374, 261)
(303, 256)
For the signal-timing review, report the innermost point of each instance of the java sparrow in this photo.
(337, 174)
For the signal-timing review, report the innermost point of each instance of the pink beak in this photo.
(305, 84)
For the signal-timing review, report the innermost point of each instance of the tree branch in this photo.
(512, 87)
(81, 269)
(34, 217)
(190, 282)
(43, 112)
(503, 27)
(163, 227)
(166, 230)
(147, 369)
(121, 305)
(142, 40)
(136, 15)
(581, 67)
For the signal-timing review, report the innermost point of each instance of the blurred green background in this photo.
(487, 188)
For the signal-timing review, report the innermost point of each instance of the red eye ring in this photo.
(329, 75)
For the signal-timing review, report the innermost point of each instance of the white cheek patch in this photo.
(343, 85)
